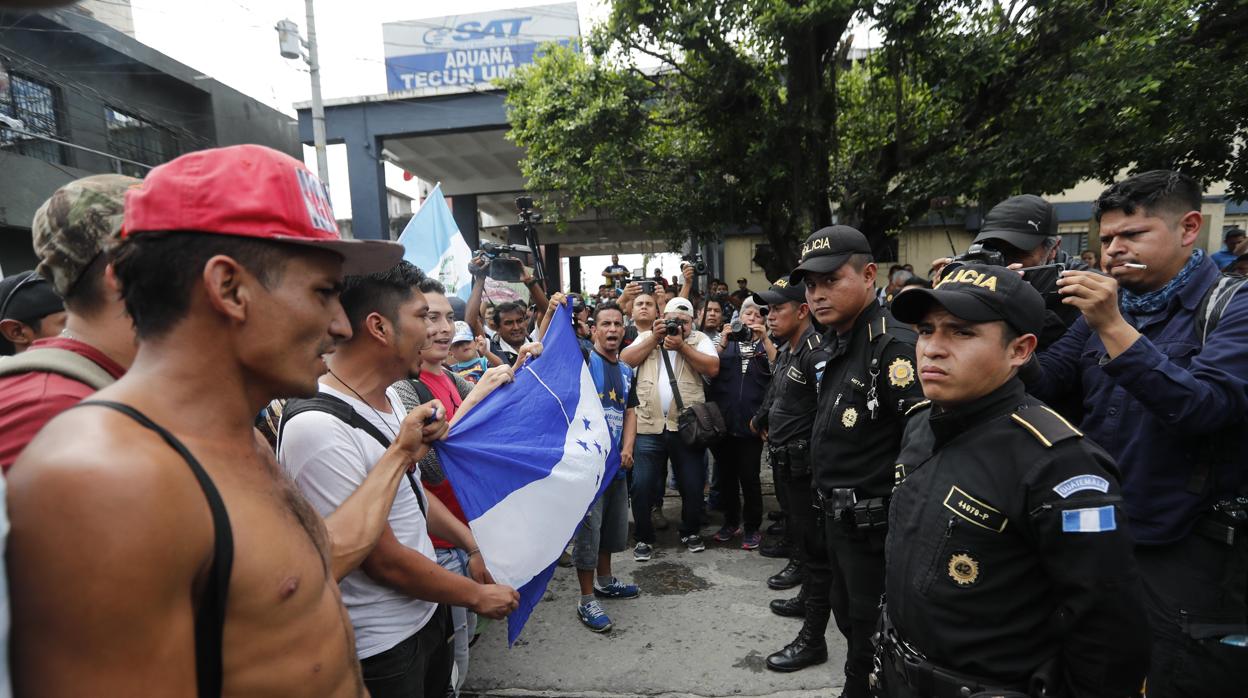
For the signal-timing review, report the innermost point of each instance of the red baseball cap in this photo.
(249, 191)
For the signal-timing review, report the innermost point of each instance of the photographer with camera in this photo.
(744, 374)
(1022, 231)
(672, 355)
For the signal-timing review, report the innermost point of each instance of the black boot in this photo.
(787, 578)
(808, 649)
(776, 529)
(789, 608)
(776, 547)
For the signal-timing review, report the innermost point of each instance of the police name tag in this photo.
(1094, 520)
(1080, 483)
(979, 513)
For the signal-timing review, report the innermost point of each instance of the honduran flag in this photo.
(528, 461)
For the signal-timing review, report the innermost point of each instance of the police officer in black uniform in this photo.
(1010, 567)
(785, 418)
(866, 388)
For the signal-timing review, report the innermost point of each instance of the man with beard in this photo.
(398, 598)
(432, 380)
(172, 557)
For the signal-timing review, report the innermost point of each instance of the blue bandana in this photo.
(1154, 301)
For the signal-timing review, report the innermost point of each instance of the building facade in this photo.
(79, 96)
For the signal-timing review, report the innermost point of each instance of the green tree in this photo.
(691, 117)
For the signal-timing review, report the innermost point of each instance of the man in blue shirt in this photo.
(1231, 238)
(1169, 402)
(605, 528)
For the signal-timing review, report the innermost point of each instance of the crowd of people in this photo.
(1023, 475)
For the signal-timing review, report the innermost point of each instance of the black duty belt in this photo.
(896, 662)
(855, 514)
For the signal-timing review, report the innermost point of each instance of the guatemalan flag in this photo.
(528, 461)
(432, 241)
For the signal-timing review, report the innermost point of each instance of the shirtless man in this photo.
(126, 580)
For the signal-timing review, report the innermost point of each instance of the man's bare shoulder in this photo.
(97, 457)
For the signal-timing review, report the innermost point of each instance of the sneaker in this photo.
(593, 617)
(657, 519)
(751, 540)
(642, 552)
(726, 533)
(694, 543)
(616, 590)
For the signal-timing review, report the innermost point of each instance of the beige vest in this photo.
(649, 374)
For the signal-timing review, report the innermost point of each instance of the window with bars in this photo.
(135, 139)
(35, 105)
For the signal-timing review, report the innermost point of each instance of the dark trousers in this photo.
(857, 571)
(418, 667)
(806, 535)
(1190, 588)
(740, 494)
(650, 452)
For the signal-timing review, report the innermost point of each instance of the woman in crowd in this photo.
(745, 351)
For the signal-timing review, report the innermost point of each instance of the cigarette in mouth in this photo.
(1133, 265)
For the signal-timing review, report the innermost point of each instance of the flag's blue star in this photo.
(587, 422)
(598, 446)
(583, 444)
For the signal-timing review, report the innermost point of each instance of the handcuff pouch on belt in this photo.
(793, 457)
(856, 515)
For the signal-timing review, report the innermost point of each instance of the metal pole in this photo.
(318, 109)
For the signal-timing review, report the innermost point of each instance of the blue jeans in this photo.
(649, 455)
(463, 621)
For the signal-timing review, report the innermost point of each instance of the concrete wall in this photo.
(738, 262)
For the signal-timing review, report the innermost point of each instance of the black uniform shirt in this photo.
(1007, 546)
(788, 409)
(853, 445)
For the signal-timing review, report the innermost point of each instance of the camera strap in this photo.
(671, 377)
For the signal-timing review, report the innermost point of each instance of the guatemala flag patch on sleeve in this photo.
(1095, 520)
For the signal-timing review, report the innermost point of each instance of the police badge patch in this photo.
(963, 569)
(901, 373)
(849, 417)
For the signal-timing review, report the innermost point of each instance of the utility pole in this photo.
(289, 43)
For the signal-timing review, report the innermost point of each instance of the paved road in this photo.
(700, 628)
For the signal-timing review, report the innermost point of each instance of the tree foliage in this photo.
(689, 117)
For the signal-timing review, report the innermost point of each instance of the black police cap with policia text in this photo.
(827, 249)
(978, 293)
(781, 292)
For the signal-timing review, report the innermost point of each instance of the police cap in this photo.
(827, 249)
(781, 292)
(978, 293)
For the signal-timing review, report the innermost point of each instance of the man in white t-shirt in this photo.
(692, 356)
(398, 598)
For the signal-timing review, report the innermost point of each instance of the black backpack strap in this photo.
(210, 617)
(1214, 303)
(324, 402)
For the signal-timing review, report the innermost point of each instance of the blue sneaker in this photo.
(616, 590)
(593, 617)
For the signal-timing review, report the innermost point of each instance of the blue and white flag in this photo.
(432, 241)
(528, 461)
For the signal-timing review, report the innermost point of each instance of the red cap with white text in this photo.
(248, 191)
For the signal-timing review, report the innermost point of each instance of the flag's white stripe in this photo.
(563, 409)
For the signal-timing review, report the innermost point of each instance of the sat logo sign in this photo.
(470, 51)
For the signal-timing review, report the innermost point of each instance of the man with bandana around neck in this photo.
(1165, 392)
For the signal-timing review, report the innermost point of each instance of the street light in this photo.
(290, 44)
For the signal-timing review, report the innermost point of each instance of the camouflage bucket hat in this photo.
(80, 220)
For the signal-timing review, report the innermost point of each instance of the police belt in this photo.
(896, 662)
(855, 514)
(785, 455)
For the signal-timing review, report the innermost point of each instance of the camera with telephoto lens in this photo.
(503, 263)
(739, 332)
